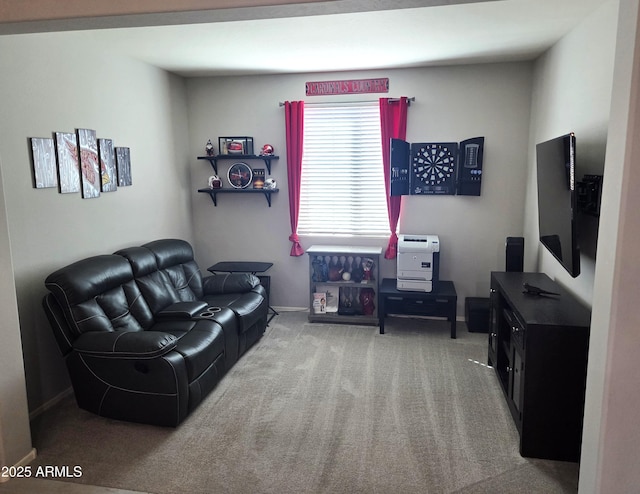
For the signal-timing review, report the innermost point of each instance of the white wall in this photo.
(609, 460)
(15, 436)
(573, 87)
(571, 93)
(60, 82)
(452, 104)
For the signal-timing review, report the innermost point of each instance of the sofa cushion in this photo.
(200, 342)
(142, 261)
(174, 258)
(170, 251)
(185, 279)
(88, 277)
(249, 307)
(99, 294)
(155, 286)
(229, 283)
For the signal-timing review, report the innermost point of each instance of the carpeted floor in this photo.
(319, 408)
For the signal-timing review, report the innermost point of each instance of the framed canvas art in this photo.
(123, 162)
(89, 163)
(108, 174)
(68, 168)
(44, 163)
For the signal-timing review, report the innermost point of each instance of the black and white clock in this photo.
(433, 167)
(239, 175)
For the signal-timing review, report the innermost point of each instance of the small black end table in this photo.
(252, 267)
(441, 302)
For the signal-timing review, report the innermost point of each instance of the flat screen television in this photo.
(557, 200)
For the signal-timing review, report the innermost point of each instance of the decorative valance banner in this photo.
(352, 86)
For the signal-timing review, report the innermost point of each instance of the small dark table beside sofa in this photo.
(145, 336)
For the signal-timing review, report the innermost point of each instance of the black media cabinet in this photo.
(538, 346)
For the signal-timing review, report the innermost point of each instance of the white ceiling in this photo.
(480, 31)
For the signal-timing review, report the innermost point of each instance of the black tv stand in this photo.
(538, 346)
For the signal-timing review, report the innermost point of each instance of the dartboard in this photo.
(434, 168)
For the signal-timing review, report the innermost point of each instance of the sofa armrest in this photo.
(229, 283)
(125, 344)
(182, 310)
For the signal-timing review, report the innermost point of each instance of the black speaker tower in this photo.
(515, 254)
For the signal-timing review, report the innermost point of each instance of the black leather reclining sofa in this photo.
(145, 336)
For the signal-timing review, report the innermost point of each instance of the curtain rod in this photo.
(391, 100)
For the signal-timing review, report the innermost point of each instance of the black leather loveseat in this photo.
(145, 336)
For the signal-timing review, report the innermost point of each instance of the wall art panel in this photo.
(123, 160)
(107, 165)
(68, 168)
(89, 163)
(44, 163)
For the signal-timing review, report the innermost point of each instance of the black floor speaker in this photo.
(515, 254)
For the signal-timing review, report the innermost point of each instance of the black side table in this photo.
(441, 302)
(252, 267)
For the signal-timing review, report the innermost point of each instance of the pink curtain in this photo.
(393, 124)
(294, 121)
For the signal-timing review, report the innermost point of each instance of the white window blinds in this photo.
(342, 184)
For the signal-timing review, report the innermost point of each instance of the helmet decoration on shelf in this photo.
(267, 150)
(270, 184)
(215, 182)
(235, 147)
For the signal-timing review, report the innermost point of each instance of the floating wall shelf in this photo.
(239, 157)
(214, 192)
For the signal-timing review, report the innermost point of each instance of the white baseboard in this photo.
(459, 318)
(50, 404)
(291, 309)
(28, 458)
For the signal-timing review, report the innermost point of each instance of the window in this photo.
(342, 189)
